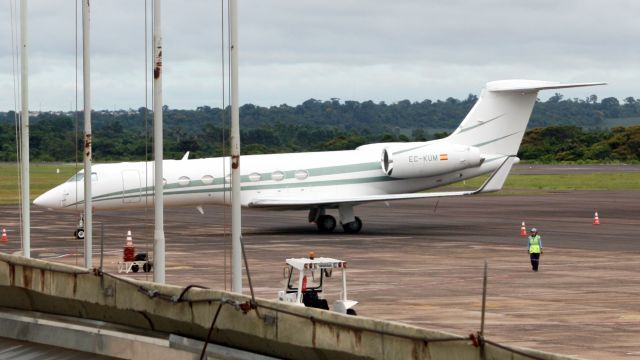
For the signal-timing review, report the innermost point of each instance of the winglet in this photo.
(186, 156)
(497, 179)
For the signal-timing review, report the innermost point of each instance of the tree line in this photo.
(559, 130)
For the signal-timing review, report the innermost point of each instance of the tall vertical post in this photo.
(236, 223)
(158, 202)
(344, 283)
(24, 131)
(484, 298)
(86, 153)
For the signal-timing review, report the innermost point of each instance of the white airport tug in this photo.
(305, 288)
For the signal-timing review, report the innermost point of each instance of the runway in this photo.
(418, 263)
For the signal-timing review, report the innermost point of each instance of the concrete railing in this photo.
(264, 327)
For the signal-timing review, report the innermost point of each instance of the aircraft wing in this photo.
(493, 183)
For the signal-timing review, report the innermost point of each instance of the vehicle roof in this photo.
(316, 263)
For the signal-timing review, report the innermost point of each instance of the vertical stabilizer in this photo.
(497, 122)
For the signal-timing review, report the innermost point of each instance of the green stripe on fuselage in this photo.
(197, 186)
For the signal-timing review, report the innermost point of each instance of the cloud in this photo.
(291, 50)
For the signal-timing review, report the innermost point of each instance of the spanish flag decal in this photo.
(444, 157)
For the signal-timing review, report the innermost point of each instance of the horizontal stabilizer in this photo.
(493, 183)
(532, 85)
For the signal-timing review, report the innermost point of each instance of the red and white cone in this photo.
(129, 239)
(523, 229)
(129, 253)
(596, 219)
(5, 238)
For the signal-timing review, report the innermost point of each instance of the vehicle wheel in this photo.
(351, 312)
(134, 268)
(79, 234)
(326, 223)
(353, 227)
(146, 267)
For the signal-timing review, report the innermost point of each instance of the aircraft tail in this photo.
(498, 120)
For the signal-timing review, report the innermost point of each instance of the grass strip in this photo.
(46, 176)
(42, 178)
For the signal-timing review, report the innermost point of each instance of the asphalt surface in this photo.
(418, 262)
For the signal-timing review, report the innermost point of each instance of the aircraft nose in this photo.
(47, 200)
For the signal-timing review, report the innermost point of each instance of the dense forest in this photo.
(559, 130)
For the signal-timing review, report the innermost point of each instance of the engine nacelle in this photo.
(428, 160)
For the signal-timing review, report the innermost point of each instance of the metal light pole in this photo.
(158, 202)
(236, 226)
(86, 81)
(24, 131)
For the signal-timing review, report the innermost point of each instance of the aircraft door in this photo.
(131, 186)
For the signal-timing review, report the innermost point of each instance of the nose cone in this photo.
(48, 200)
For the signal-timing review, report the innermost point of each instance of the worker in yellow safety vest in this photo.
(535, 248)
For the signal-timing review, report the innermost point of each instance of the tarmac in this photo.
(418, 262)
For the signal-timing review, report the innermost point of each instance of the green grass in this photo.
(43, 177)
(592, 181)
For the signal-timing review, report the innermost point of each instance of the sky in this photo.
(291, 50)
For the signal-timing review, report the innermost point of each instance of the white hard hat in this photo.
(534, 230)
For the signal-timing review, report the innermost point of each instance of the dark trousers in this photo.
(535, 260)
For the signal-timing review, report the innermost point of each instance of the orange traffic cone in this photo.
(596, 219)
(523, 229)
(4, 235)
(129, 250)
(129, 239)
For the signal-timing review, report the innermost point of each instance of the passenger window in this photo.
(255, 177)
(301, 174)
(277, 175)
(207, 179)
(184, 181)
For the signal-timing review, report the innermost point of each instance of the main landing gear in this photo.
(353, 227)
(327, 223)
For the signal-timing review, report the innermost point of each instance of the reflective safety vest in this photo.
(534, 244)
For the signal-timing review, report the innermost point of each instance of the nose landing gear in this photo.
(79, 233)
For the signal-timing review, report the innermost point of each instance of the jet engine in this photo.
(428, 160)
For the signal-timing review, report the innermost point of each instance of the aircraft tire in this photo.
(135, 268)
(353, 227)
(351, 312)
(326, 223)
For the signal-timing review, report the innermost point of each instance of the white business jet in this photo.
(486, 142)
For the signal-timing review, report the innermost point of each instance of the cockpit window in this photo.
(76, 177)
(80, 177)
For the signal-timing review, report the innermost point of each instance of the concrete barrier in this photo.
(264, 327)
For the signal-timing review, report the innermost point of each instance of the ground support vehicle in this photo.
(141, 261)
(306, 277)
